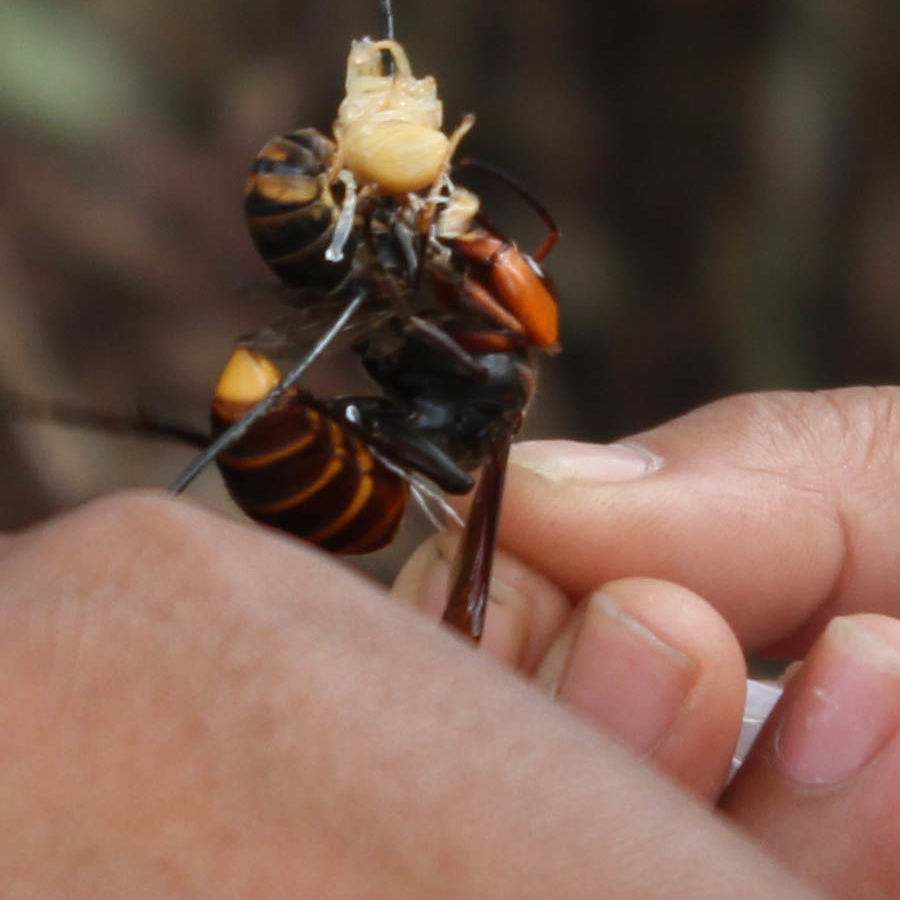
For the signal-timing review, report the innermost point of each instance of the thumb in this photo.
(782, 509)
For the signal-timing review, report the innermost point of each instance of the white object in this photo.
(761, 699)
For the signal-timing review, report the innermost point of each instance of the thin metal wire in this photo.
(237, 431)
(239, 428)
(385, 20)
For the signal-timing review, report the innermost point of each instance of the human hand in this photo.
(198, 708)
(781, 510)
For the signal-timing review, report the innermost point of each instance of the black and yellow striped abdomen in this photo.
(291, 211)
(305, 471)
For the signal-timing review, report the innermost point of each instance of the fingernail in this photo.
(623, 677)
(842, 706)
(423, 580)
(574, 461)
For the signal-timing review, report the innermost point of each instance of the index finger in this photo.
(782, 509)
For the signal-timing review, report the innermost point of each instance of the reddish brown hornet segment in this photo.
(301, 468)
(441, 309)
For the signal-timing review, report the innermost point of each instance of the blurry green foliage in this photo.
(60, 76)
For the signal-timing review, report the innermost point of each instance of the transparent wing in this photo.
(311, 313)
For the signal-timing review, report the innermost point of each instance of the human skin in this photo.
(196, 707)
(782, 511)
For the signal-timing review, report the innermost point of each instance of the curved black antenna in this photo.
(517, 186)
(239, 429)
(385, 20)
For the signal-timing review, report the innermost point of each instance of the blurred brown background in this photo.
(726, 174)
